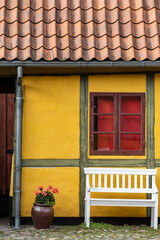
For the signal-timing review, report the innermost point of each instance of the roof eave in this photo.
(78, 67)
(79, 64)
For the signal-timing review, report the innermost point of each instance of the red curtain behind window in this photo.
(130, 123)
(105, 123)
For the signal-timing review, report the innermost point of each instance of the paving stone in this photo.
(105, 232)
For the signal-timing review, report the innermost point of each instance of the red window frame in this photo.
(117, 97)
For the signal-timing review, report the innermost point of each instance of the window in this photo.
(117, 123)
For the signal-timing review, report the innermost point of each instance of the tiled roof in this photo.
(79, 29)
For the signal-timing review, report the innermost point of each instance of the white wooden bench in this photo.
(118, 180)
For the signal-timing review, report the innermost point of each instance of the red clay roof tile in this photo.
(80, 29)
(111, 4)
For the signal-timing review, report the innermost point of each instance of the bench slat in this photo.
(122, 202)
(93, 180)
(120, 171)
(105, 181)
(153, 181)
(147, 181)
(122, 190)
(117, 180)
(111, 185)
(129, 181)
(135, 181)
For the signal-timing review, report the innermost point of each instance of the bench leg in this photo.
(87, 213)
(155, 215)
(152, 216)
(85, 216)
(156, 212)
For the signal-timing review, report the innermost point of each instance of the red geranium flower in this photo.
(44, 193)
(55, 190)
(36, 192)
(50, 187)
(45, 196)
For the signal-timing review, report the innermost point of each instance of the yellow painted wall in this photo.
(51, 117)
(65, 179)
(116, 83)
(157, 116)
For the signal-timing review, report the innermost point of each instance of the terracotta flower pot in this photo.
(42, 215)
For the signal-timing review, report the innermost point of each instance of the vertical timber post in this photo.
(150, 126)
(150, 121)
(18, 147)
(83, 137)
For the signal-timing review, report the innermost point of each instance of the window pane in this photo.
(131, 142)
(130, 123)
(103, 104)
(131, 105)
(104, 123)
(104, 142)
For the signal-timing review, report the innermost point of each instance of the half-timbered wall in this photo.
(55, 149)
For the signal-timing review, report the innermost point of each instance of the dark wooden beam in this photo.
(150, 122)
(83, 137)
(150, 127)
(50, 163)
(117, 162)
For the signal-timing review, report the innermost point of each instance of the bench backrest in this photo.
(121, 180)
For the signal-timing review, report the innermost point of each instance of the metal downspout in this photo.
(18, 146)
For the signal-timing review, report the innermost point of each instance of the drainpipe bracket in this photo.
(19, 98)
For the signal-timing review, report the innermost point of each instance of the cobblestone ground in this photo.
(96, 231)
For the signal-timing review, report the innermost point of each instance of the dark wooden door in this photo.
(6, 138)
